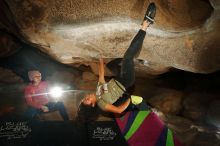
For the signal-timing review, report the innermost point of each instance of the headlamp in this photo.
(56, 92)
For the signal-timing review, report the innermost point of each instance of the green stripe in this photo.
(169, 141)
(136, 124)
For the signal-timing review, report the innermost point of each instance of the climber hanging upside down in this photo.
(108, 93)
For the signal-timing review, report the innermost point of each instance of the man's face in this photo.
(37, 78)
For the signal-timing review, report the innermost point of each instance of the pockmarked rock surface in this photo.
(185, 34)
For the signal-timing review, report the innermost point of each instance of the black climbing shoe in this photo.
(150, 13)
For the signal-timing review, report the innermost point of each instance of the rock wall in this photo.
(184, 36)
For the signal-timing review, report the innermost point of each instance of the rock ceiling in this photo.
(185, 35)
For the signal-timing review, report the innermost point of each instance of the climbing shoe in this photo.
(150, 13)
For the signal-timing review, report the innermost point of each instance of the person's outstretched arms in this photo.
(101, 71)
(117, 109)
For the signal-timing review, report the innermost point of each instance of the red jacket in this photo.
(36, 96)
